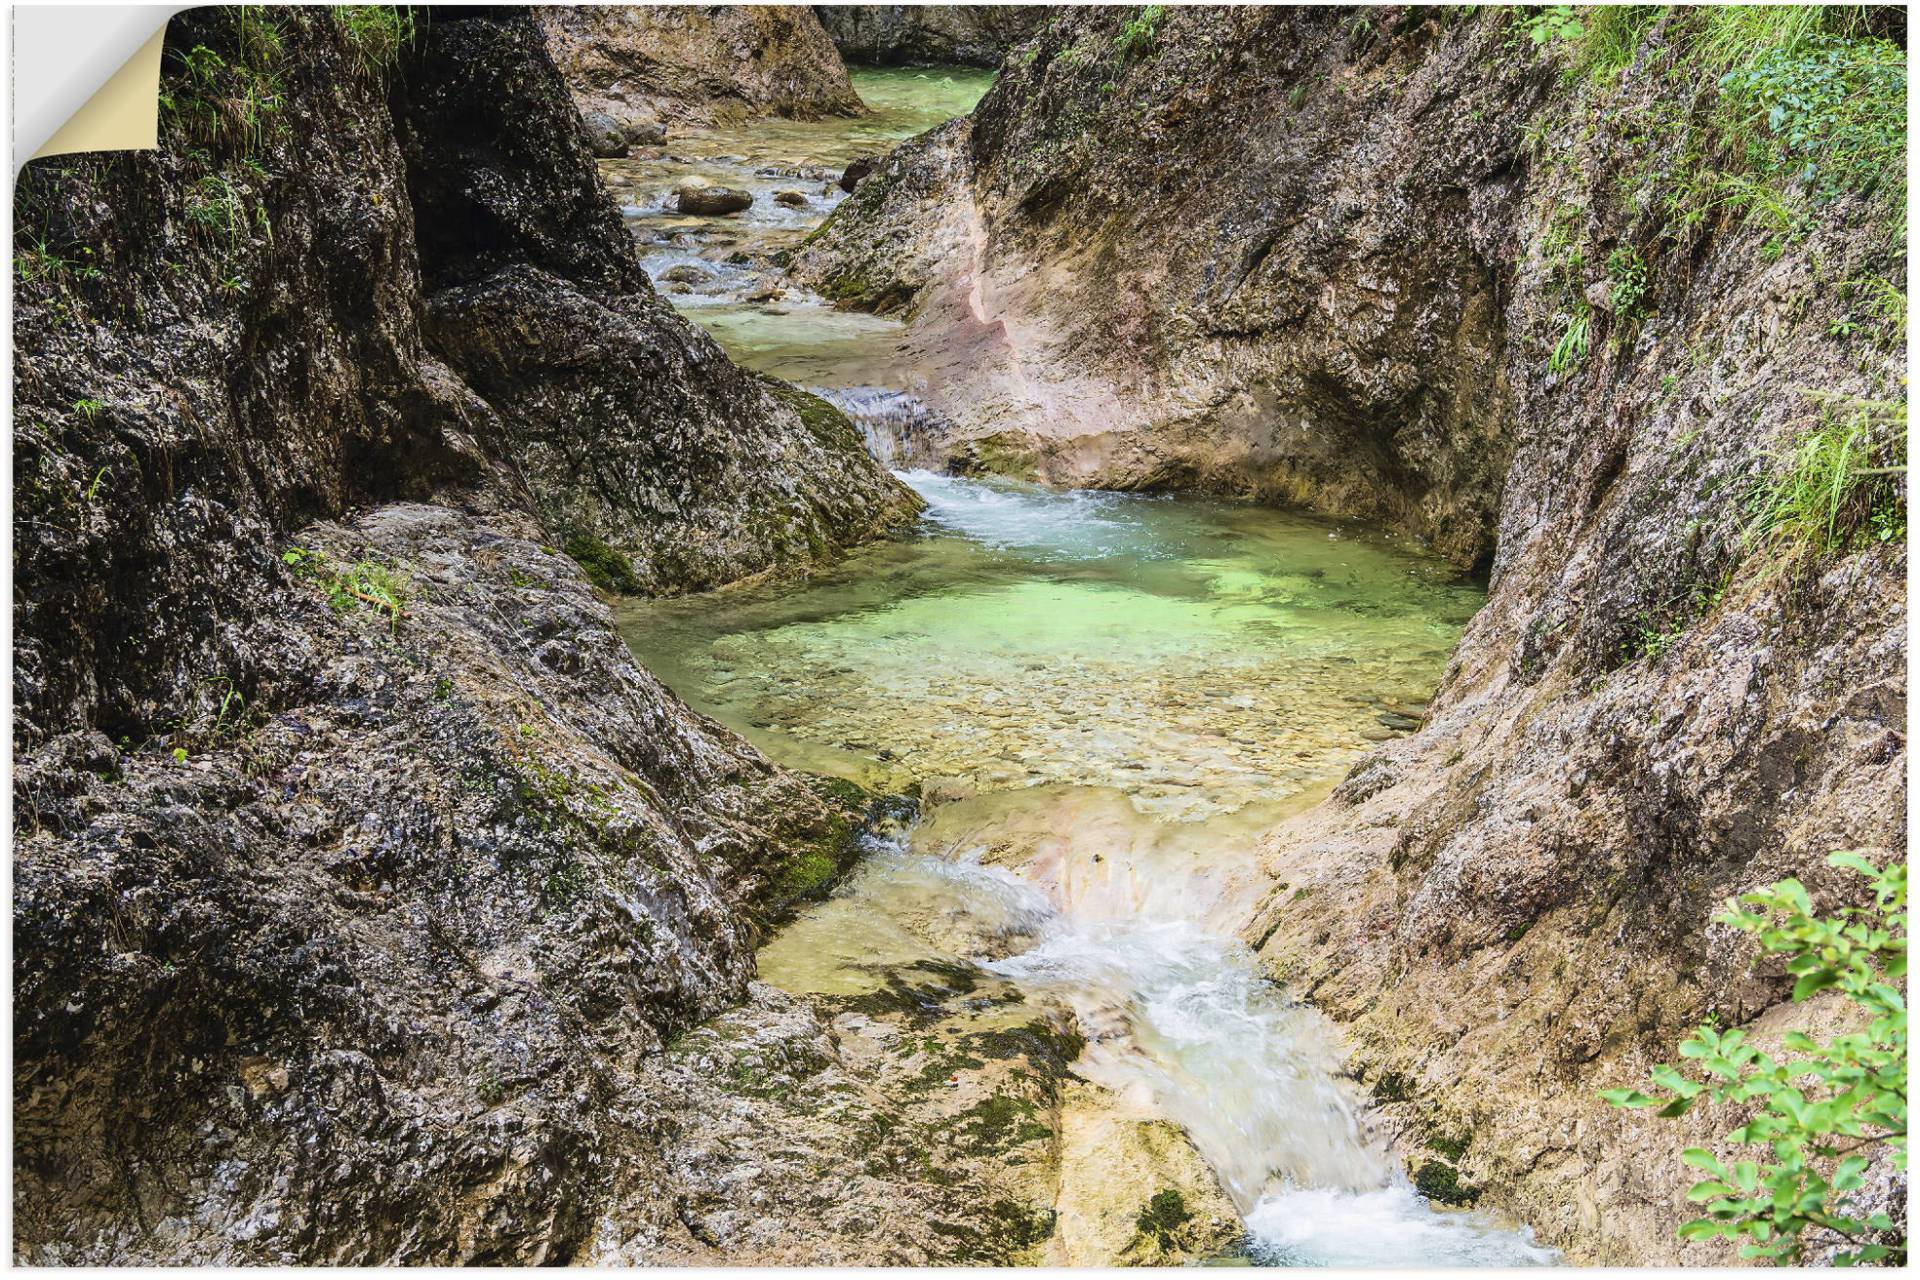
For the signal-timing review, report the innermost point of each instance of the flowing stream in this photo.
(1105, 699)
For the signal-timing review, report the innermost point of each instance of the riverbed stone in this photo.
(711, 200)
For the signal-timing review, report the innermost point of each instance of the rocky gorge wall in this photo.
(1410, 265)
(891, 35)
(358, 867)
(645, 66)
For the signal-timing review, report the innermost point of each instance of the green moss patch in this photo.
(605, 568)
(1441, 1183)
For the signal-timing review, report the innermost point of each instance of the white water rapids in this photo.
(1177, 1016)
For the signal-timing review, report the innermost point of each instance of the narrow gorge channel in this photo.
(1099, 701)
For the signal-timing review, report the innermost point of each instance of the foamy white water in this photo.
(1046, 524)
(1179, 1017)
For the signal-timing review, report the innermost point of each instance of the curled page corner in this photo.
(86, 77)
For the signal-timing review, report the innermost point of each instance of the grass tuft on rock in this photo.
(1840, 487)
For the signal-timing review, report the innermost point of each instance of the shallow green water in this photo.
(1199, 655)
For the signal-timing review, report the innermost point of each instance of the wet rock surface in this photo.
(647, 64)
(358, 866)
(886, 35)
(707, 200)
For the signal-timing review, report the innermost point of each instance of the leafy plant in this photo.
(1833, 110)
(1813, 1116)
(1553, 24)
(1628, 272)
(364, 582)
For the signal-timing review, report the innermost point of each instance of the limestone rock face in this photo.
(891, 35)
(645, 64)
(1285, 255)
(1190, 280)
(357, 865)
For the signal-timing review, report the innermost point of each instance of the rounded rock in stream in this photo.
(711, 200)
(792, 199)
(686, 273)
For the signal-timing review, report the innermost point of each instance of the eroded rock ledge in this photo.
(642, 66)
(892, 35)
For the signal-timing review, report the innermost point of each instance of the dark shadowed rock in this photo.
(859, 168)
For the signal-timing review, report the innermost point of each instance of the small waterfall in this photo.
(1179, 1015)
(898, 426)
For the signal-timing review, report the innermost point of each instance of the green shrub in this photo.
(1827, 113)
(347, 587)
(1138, 33)
(1813, 1116)
(1628, 272)
(1553, 24)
